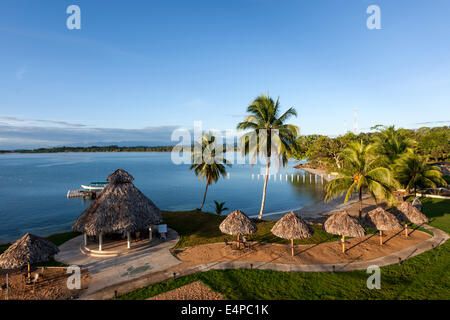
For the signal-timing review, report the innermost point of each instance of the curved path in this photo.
(110, 271)
(122, 287)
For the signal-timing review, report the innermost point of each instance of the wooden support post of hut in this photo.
(343, 224)
(119, 209)
(85, 239)
(382, 221)
(406, 230)
(291, 227)
(100, 242)
(236, 224)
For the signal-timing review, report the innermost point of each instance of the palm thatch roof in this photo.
(409, 213)
(120, 208)
(291, 226)
(343, 224)
(382, 220)
(28, 249)
(237, 223)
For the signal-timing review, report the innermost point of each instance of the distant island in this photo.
(112, 148)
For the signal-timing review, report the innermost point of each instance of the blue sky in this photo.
(138, 69)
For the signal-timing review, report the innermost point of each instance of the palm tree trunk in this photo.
(264, 191)
(204, 196)
(360, 204)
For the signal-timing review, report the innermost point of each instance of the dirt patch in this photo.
(193, 291)
(358, 249)
(51, 285)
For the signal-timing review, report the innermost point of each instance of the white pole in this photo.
(150, 234)
(128, 240)
(100, 242)
(85, 240)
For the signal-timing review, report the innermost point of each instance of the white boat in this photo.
(94, 186)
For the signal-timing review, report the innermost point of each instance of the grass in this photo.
(197, 228)
(426, 276)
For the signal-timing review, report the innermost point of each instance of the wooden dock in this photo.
(81, 193)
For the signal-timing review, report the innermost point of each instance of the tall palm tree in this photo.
(269, 136)
(362, 172)
(392, 143)
(412, 171)
(208, 161)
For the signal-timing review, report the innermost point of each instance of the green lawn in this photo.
(426, 276)
(197, 228)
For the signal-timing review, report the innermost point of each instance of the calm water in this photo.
(33, 188)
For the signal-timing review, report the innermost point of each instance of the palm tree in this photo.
(412, 171)
(269, 136)
(208, 161)
(220, 207)
(362, 172)
(392, 143)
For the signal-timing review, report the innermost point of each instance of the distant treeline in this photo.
(112, 148)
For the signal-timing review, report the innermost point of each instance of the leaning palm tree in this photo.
(208, 161)
(412, 171)
(270, 136)
(392, 143)
(362, 172)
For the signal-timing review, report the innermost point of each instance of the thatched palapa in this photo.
(27, 250)
(344, 225)
(120, 208)
(408, 213)
(382, 220)
(292, 226)
(237, 223)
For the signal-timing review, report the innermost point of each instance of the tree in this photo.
(220, 207)
(270, 136)
(361, 172)
(392, 143)
(413, 172)
(208, 161)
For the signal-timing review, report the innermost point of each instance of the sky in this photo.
(137, 70)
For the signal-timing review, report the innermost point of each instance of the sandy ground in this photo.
(193, 291)
(51, 286)
(358, 249)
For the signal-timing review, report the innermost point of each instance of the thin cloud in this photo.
(433, 122)
(56, 122)
(21, 73)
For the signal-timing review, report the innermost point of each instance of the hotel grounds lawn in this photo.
(426, 276)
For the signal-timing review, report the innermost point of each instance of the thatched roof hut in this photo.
(237, 223)
(120, 208)
(409, 213)
(382, 220)
(292, 226)
(343, 224)
(27, 250)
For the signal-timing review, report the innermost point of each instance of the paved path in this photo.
(439, 238)
(115, 270)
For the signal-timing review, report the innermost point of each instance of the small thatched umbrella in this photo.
(237, 223)
(291, 227)
(344, 225)
(382, 221)
(120, 208)
(409, 213)
(27, 250)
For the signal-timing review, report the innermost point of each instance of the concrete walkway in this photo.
(108, 271)
(439, 238)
